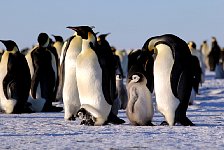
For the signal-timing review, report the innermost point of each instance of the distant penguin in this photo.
(43, 68)
(92, 81)
(124, 60)
(214, 54)
(58, 44)
(68, 63)
(121, 91)
(15, 80)
(205, 51)
(172, 77)
(140, 107)
(196, 70)
(198, 54)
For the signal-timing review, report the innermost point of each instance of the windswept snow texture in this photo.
(51, 131)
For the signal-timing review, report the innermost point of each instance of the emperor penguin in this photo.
(124, 60)
(72, 48)
(196, 70)
(172, 77)
(198, 54)
(43, 68)
(105, 47)
(140, 106)
(93, 81)
(15, 80)
(58, 44)
(121, 90)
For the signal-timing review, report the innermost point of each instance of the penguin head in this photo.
(150, 46)
(191, 45)
(85, 32)
(58, 38)
(102, 37)
(43, 40)
(11, 46)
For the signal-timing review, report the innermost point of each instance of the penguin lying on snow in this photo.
(172, 77)
(140, 107)
(93, 81)
(15, 80)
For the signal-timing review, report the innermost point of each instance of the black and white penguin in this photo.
(71, 49)
(105, 47)
(93, 81)
(43, 69)
(15, 80)
(140, 106)
(121, 92)
(196, 70)
(172, 77)
(58, 44)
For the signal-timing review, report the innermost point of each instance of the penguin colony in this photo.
(94, 81)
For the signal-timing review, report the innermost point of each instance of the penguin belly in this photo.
(70, 89)
(89, 81)
(167, 103)
(6, 105)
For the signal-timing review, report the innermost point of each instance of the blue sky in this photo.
(130, 23)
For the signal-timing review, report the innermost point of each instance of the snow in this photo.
(51, 131)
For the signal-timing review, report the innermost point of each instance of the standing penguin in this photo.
(105, 47)
(140, 107)
(43, 68)
(172, 77)
(93, 81)
(15, 80)
(58, 44)
(68, 65)
(196, 70)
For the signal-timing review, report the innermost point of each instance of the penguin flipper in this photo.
(6, 84)
(132, 100)
(108, 84)
(34, 84)
(175, 78)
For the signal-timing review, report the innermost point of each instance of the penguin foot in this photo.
(114, 119)
(186, 122)
(86, 117)
(72, 118)
(52, 109)
(164, 123)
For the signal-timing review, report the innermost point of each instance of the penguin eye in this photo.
(118, 77)
(135, 78)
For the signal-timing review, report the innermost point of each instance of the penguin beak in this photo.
(73, 28)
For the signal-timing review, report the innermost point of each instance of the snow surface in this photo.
(51, 131)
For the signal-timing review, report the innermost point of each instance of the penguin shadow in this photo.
(44, 134)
